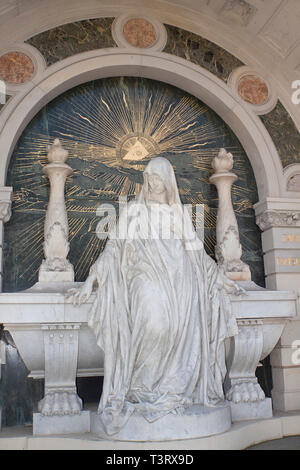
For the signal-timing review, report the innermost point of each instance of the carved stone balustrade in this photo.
(55, 342)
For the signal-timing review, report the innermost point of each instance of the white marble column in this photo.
(55, 267)
(279, 219)
(228, 248)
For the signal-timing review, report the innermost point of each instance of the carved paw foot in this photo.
(45, 405)
(245, 392)
(61, 403)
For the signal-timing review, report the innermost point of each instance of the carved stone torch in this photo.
(55, 267)
(228, 249)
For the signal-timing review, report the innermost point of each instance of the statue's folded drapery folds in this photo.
(161, 312)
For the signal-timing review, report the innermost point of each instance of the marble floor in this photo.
(287, 443)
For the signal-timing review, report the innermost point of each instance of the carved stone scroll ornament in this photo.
(294, 183)
(273, 218)
(5, 211)
(61, 351)
(228, 248)
(246, 397)
(55, 266)
(247, 353)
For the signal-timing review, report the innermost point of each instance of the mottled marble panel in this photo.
(139, 32)
(16, 67)
(284, 134)
(200, 51)
(73, 38)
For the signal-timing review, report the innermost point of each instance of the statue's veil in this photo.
(163, 168)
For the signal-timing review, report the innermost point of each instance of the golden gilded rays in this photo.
(111, 129)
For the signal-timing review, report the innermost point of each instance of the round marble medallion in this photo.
(253, 89)
(139, 32)
(16, 67)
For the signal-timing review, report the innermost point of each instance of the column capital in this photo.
(278, 218)
(5, 203)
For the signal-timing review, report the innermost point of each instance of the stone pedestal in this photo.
(197, 421)
(251, 410)
(67, 424)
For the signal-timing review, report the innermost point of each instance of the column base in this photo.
(56, 276)
(251, 410)
(239, 275)
(285, 400)
(65, 424)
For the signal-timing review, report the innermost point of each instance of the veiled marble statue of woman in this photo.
(161, 312)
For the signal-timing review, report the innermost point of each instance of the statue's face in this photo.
(156, 184)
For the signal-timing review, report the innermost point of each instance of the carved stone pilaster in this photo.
(242, 389)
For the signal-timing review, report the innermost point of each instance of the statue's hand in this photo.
(229, 285)
(81, 295)
(232, 287)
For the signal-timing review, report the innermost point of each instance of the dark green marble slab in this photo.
(284, 134)
(72, 38)
(201, 51)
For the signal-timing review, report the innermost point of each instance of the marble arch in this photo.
(49, 83)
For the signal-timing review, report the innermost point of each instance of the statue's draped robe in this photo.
(160, 318)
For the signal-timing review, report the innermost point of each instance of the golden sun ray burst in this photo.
(112, 128)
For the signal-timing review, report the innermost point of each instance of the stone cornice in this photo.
(273, 218)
